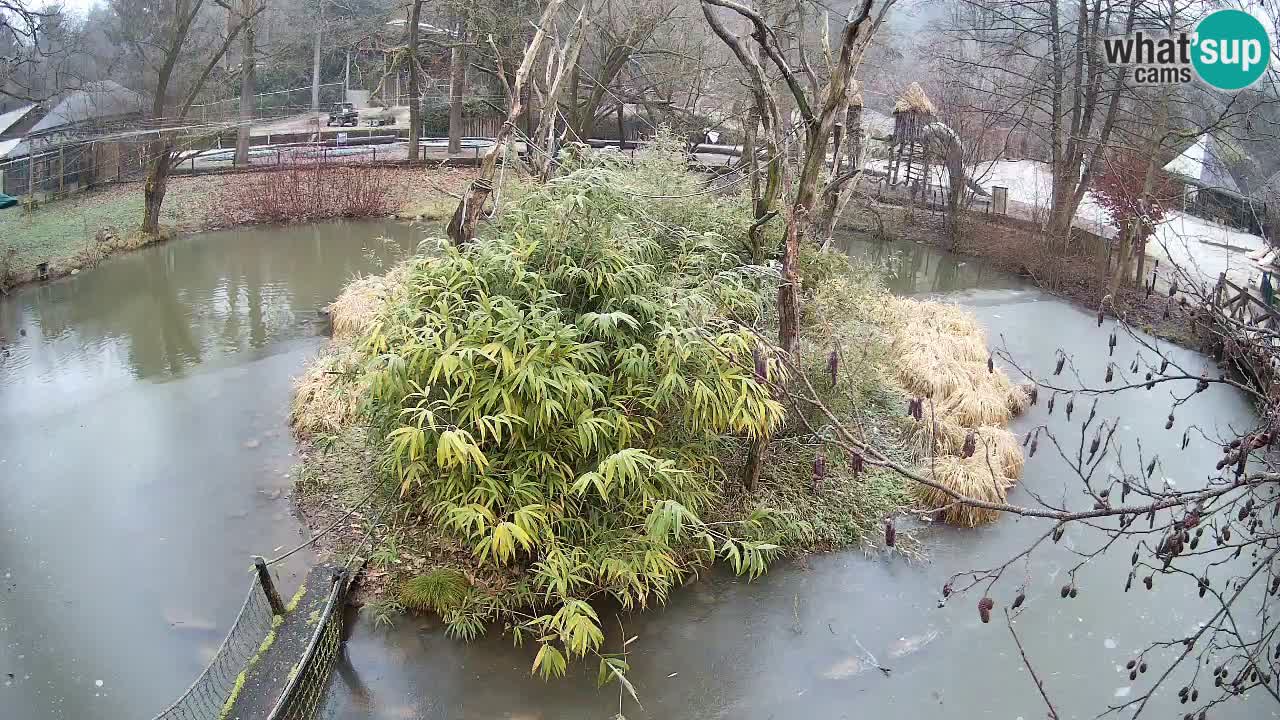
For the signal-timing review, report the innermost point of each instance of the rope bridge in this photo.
(258, 672)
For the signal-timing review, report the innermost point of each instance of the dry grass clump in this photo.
(326, 398)
(942, 356)
(357, 308)
(937, 435)
(971, 477)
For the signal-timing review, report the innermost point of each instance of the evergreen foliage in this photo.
(553, 396)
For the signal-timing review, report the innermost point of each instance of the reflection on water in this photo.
(916, 268)
(145, 453)
(803, 641)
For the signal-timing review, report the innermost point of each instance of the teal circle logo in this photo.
(1232, 49)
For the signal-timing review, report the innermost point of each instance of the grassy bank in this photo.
(81, 230)
(560, 413)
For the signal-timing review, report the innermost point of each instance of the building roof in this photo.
(914, 100)
(94, 101)
(7, 146)
(1201, 165)
(11, 118)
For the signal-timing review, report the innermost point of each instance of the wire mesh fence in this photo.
(208, 695)
(271, 104)
(305, 692)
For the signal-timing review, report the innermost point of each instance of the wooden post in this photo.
(268, 587)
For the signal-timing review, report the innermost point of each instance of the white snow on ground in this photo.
(1201, 246)
(1206, 248)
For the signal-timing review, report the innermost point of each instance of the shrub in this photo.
(553, 395)
(303, 192)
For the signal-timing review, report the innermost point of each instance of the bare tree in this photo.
(248, 77)
(180, 48)
(457, 80)
(415, 68)
(1047, 56)
(462, 227)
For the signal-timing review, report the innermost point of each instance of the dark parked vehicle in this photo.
(343, 114)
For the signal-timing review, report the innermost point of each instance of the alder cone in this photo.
(984, 609)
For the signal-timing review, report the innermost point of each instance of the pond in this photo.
(145, 455)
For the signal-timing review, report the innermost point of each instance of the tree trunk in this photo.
(462, 227)
(1124, 256)
(754, 464)
(415, 94)
(622, 128)
(248, 84)
(853, 128)
(157, 183)
(457, 85)
(789, 286)
(315, 63)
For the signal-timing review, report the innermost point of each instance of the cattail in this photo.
(970, 445)
(833, 365)
(1052, 398)
(991, 364)
(1062, 359)
(819, 471)
(984, 608)
(762, 368)
(890, 532)
(1111, 344)
(1109, 374)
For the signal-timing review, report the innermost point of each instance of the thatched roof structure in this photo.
(915, 101)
